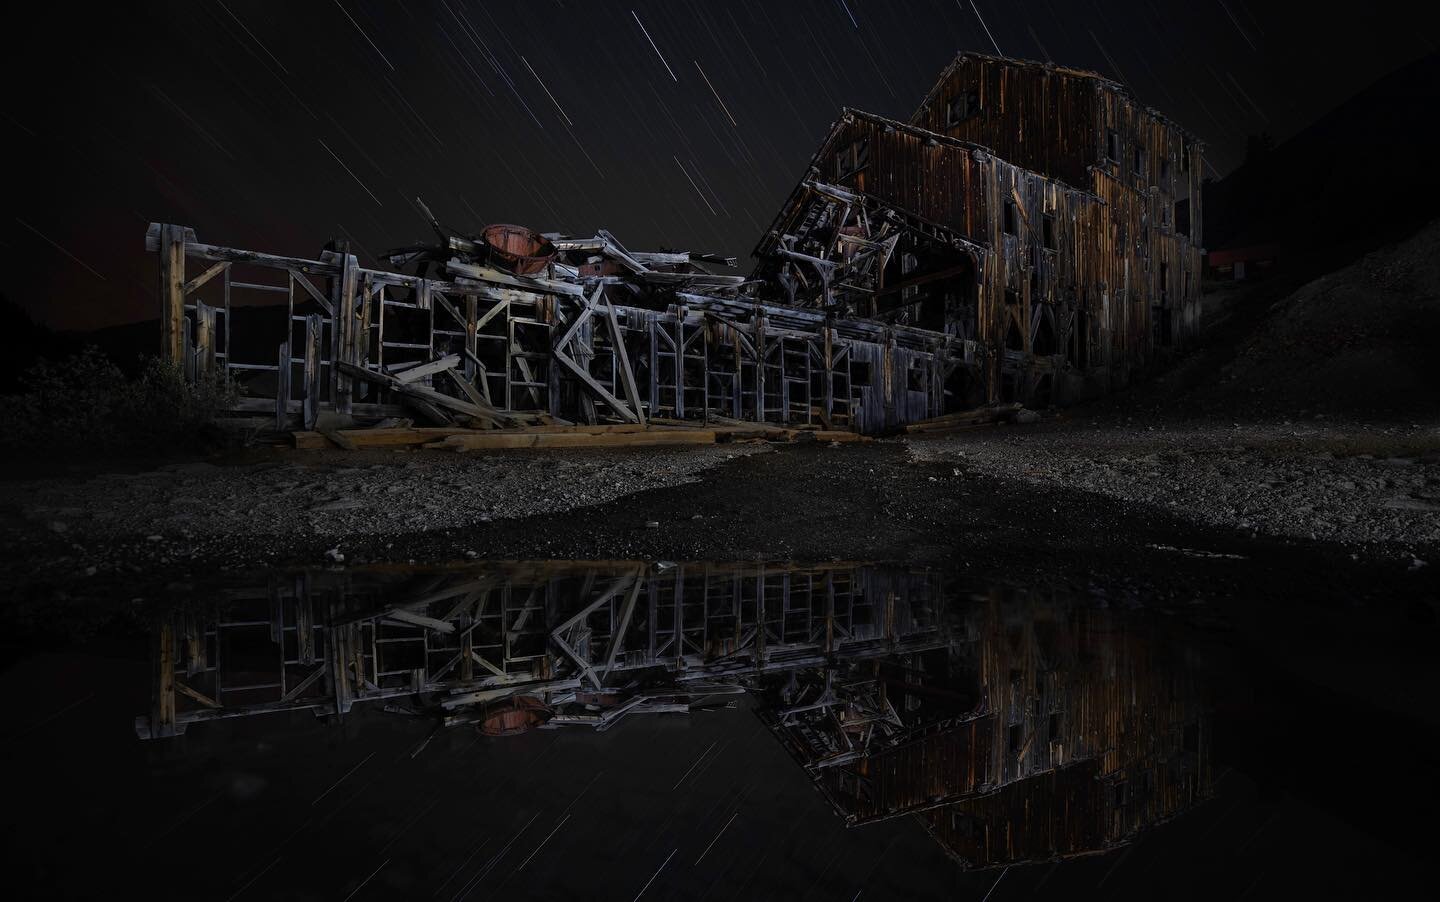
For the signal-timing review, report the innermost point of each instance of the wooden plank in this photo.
(413, 619)
(310, 441)
(501, 441)
(420, 371)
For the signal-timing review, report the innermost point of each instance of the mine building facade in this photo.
(1040, 217)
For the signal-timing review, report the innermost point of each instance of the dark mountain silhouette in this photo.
(1360, 177)
(24, 342)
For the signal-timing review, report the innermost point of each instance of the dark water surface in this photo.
(616, 730)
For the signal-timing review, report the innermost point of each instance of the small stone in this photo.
(652, 524)
(335, 556)
(154, 538)
(472, 555)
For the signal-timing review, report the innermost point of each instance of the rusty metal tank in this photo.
(517, 249)
(519, 714)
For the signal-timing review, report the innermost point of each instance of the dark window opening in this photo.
(1139, 159)
(932, 312)
(1161, 317)
(1054, 726)
(1165, 172)
(1192, 737)
(915, 377)
(1044, 343)
(1185, 158)
(1010, 226)
(1014, 341)
(1182, 217)
(1014, 738)
(962, 107)
(1112, 146)
(960, 391)
(1012, 296)
(1047, 231)
(853, 157)
(859, 373)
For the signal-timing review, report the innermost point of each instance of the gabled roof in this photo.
(1108, 83)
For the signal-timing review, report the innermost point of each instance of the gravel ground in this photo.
(316, 494)
(1347, 483)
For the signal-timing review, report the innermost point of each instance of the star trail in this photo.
(279, 126)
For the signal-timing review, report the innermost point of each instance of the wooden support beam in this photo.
(162, 664)
(194, 284)
(172, 292)
(620, 407)
(313, 377)
(282, 387)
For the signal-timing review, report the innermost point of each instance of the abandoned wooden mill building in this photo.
(1025, 237)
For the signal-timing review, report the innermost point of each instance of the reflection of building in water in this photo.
(1046, 730)
(582, 643)
(1015, 730)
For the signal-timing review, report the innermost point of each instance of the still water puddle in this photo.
(1013, 732)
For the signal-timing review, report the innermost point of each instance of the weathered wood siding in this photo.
(1040, 118)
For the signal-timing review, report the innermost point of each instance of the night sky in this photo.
(679, 124)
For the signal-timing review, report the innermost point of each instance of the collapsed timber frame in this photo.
(489, 346)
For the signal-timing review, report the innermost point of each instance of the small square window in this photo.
(962, 107)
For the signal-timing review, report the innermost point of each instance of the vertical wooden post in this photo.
(204, 340)
(347, 335)
(759, 367)
(314, 328)
(282, 387)
(680, 362)
(829, 370)
(162, 662)
(472, 319)
(304, 621)
(172, 292)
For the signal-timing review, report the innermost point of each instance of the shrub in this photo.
(84, 404)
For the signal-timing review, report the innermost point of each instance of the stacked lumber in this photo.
(980, 416)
